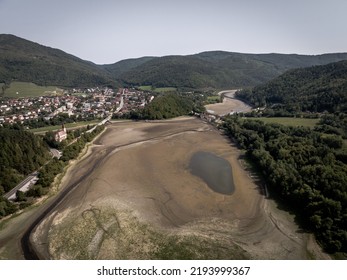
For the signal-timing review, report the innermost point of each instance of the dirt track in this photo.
(140, 193)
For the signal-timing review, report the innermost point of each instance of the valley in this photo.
(162, 187)
(140, 199)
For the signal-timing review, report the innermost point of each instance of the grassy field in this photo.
(289, 121)
(22, 89)
(42, 130)
(160, 90)
(213, 99)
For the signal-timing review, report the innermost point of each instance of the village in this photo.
(79, 104)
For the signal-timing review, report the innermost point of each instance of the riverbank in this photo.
(228, 105)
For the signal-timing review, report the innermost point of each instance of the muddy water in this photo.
(214, 170)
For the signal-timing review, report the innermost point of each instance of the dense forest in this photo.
(21, 153)
(48, 66)
(306, 170)
(314, 89)
(169, 105)
(216, 69)
(25, 159)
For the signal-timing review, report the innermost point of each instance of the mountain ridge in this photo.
(23, 60)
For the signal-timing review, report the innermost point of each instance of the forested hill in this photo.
(316, 89)
(217, 69)
(26, 61)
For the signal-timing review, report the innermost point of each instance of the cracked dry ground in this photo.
(141, 202)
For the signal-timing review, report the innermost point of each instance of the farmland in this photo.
(23, 89)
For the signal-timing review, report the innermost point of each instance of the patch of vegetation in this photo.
(114, 234)
(170, 105)
(314, 89)
(21, 153)
(158, 90)
(22, 89)
(213, 99)
(306, 122)
(305, 170)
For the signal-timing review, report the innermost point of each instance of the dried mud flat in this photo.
(139, 200)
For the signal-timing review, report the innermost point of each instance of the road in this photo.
(55, 153)
(22, 186)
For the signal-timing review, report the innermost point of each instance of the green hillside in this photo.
(123, 66)
(315, 89)
(216, 69)
(25, 61)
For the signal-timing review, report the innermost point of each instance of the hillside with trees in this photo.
(26, 61)
(21, 153)
(169, 105)
(305, 170)
(217, 69)
(315, 89)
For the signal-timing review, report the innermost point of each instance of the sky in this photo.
(107, 31)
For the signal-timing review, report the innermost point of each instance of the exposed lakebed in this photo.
(214, 170)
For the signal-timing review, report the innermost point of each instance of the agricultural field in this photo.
(159, 90)
(289, 121)
(23, 89)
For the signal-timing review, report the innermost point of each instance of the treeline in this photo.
(168, 106)
(333, 124)
(314, 89)
(47, 174)
(305, 169)
(21, 153)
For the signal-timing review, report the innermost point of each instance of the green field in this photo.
(213, 99)
(159, 90)
(289, 121)
(22, 89)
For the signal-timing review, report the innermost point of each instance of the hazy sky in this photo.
(106, 31)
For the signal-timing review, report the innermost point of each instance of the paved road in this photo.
(55, 153)
(22, 186)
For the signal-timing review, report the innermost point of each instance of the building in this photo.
(61, 134)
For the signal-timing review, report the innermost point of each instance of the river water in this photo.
(214, 170)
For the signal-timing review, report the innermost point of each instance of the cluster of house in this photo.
(93, 102)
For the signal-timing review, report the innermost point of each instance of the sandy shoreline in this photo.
(142, 178)
(229, 105)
